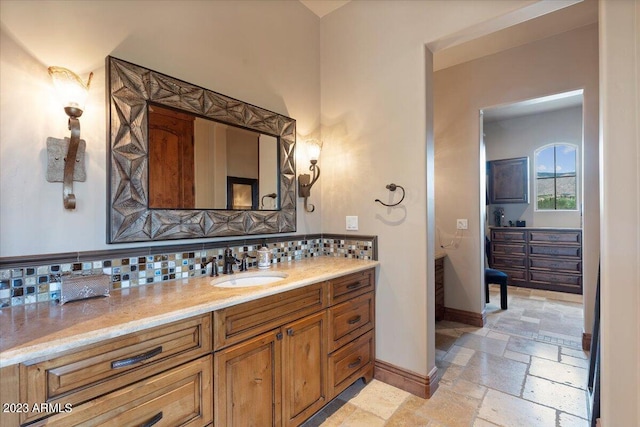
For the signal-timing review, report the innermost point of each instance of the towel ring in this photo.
(392, 187)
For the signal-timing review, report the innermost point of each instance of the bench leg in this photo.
(486, 291)
(503, 296)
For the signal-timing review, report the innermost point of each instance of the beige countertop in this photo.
(39, 330)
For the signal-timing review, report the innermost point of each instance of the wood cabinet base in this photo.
(178, 397)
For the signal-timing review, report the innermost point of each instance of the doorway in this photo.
(534, 232)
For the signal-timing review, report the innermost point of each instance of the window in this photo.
(556, 177)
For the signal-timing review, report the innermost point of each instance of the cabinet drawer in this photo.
(510, 262)
(557, 264)
(179, 397)
(343, 288)
(517, 249)
(552, 277)
(571, 283)
(81, 375)
(509, 235)
(555, 250)
(350, 319)
(563, 236)
(516, 277)
(236, 323)
(351, 362)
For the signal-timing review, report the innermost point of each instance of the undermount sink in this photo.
(245, 280)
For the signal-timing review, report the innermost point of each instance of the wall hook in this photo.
(392, 187)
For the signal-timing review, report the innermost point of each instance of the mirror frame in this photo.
(129, 219)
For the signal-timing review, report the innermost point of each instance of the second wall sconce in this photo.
(64, 154)
(306, 181)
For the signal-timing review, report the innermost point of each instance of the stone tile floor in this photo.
(525, 368)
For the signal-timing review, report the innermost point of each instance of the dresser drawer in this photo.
(498, 262)
(343, 288)
(508, 235)
(571, 283)
(516, 277)
(552, 277)
(179, 397)
(236, 323)
(350, 319)
(350, 363)
(559, 236)
(555, 251)
(81, 375)
(556, 264)
(510, 249)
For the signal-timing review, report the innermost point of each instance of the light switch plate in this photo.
(352, 223)
(462, 224)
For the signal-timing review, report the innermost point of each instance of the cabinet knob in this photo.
(290, 332)
(279, 336)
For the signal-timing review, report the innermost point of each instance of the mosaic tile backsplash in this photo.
(27, 285)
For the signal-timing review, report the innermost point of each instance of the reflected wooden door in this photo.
(171, 163)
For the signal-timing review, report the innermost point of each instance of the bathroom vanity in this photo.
(190, 353)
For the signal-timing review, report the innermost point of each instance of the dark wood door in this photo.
(171, 162)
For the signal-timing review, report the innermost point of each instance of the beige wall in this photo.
(620, 187)
(242, 153)
(521, 137)
(264, 53)
(376, 127)
(561, 63)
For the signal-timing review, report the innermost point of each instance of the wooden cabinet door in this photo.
(247, 382)
(509, 181)
(304, 368)
(171, 162)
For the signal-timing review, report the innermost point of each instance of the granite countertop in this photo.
(39, 330)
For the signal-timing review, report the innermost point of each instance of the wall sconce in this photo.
(73, 94)
(305, 182)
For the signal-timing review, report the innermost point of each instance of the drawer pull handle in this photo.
(354, 320)
(153, 421)
(355, 363)
(136, 359)
(353, 285)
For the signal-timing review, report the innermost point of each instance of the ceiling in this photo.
(323, 7)
(533, 106)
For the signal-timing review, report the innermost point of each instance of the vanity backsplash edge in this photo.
(36, 278)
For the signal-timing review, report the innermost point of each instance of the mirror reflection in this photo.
(197, 163)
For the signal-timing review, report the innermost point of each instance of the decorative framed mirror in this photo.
(172, 147)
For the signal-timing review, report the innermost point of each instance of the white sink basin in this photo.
(245, 280)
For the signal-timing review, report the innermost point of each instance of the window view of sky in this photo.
(558, 159)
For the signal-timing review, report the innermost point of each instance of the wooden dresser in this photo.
(539, 258)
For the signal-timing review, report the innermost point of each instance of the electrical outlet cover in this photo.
(352, 223)
(462, 224)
